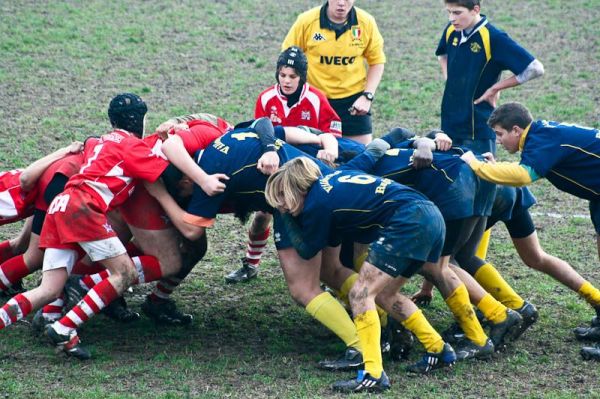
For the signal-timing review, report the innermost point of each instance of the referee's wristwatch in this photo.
(368, 95)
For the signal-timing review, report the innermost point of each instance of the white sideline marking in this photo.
(559, 216)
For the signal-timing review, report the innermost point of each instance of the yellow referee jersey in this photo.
(337, 61)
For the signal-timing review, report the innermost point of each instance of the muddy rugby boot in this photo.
(431, 361)
(351, 360)
(363, 383)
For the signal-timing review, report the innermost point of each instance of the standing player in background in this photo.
(346, 58)
(472, 54)
(290, 102)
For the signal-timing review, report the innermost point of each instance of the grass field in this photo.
(61, 63)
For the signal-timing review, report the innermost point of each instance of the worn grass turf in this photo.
(62, 62)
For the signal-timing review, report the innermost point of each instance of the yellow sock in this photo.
(346, 286)
(332, 315)
(590, 293)
(484, 244)
(493, 310)
(343, 295)
(492, 282)
(369, 332)
(425, 333)
(461, 308)
(358, 262)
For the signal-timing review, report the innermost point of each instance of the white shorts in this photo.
(103, 249)
(55, 258)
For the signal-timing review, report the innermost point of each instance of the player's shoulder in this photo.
(310, 16)
(364, 17)
(268, 93)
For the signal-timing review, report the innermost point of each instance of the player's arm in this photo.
(327, 141)
(534, 70)
(175, 151)
(443, 61)
(506, 173)
(180, 218)
(268, 163)
(368, 158)
(362, 105)
(32, 173)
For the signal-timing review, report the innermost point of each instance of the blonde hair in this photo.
(287, 187)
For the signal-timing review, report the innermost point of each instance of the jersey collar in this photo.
(523, 137)
(326, 23)
(464, 38)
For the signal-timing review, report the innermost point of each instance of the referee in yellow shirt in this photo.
(346, 60)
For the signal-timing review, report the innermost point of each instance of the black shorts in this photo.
(38, 221)
(352, 125)
(458, 233)
(520, 225)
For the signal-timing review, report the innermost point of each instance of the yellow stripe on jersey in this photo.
(449, 32)
(485, 38)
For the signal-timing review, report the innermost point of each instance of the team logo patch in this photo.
(455, 41)
(305, 115)
(475, 47)
(356, 32)
(336, 125)
(318, 37)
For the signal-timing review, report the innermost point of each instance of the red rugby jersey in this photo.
(112, 167)
(15, 204)
(312, 110)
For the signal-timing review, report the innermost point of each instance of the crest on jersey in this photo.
(305, 115)
(356, 32)
(455, 41)
(475, 47)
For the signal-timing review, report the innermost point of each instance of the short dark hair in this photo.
(510, 114)
(469, 4)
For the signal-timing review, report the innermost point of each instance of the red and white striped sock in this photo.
(96, 299)
(14, 310)
(148, 269)
(12, 271)
(6, 251)
(53, 310)
(256, 247)
(88, 281)
(164, 288)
